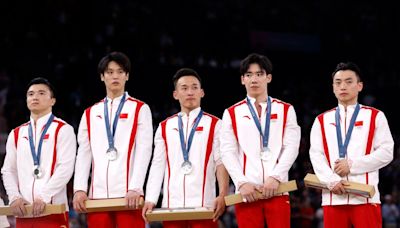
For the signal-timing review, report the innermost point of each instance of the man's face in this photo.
(346, 87)
(255, 80)
(114, 77)
(188, 92)
(39, 99)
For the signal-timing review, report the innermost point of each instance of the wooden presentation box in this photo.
(173, 214)
(117, 204)
(283, 187)
(312, 181)
(49, 209)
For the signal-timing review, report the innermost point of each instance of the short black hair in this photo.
(185, 72)
(44, 81)
(262, 60)
(348, 66)
(120, 58)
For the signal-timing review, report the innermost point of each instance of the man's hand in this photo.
(339, 187)
(133, 199)
(79, 201)
(148, 207)
(38, 207)
(270, 187)
(248, 192)
(18, 207)
(219, 207)
(342, 167)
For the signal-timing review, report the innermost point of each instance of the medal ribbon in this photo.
(36, 155)
(264, 136)
(343, 147)
(110, 135)
(186, 148)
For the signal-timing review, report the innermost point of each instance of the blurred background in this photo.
(64, 41)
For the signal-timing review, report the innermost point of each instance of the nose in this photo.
(35, 96)
(342, 86)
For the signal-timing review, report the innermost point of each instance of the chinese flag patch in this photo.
(358, 123)
(123, 115)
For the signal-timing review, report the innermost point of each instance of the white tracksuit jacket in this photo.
(56, 162)
(370, 148)
(196, 189)
(133, 139)
(241, 142)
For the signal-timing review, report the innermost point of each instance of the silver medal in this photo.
(37, 172)
(112, 153)
(266, 154)
(186, 167)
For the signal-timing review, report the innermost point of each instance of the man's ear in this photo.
(175, 95)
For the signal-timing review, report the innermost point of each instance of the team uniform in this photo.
(133, 139)
(369, 149)
(56, 164)
(196, 189)
(241, 143)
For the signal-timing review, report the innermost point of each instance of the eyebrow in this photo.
(344, 79)
(32, 91)
(259, 71)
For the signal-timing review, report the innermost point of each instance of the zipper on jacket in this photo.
(108, 163)
(184, 176)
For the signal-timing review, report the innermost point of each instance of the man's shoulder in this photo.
(365, 107)
(278, 101)
(21, 126)
(329, 111)
(237, 104)
(168, 119)
(95, 105)
(138, 101)
(211, 116)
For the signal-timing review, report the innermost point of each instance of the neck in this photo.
(36, 116)
(114, 94)
(187, 110)
(260, 98)
(348, 103)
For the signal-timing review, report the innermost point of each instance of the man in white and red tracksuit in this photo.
(115, 140)
(39, 162)
(350, 143)
(186, 157)
(259, 143)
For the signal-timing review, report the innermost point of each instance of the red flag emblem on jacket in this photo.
(358, 123)
(199, 128)
(274, 116)
(123, 115)
(46, 136)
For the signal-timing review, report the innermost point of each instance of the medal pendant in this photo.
(37, 172)
(186, 167)
(112, 154)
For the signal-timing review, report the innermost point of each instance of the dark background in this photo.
(64, 41)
